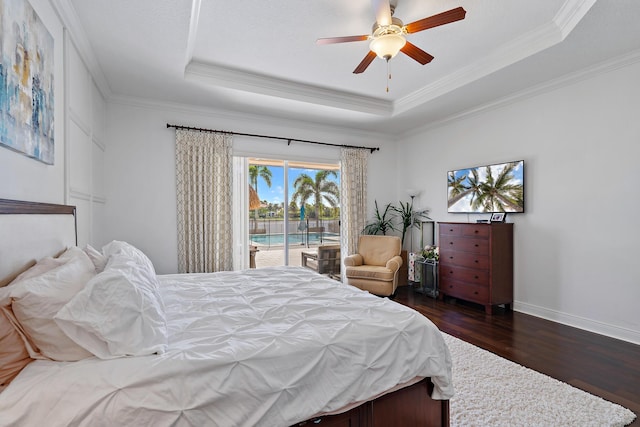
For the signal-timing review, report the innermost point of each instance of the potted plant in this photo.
(408, 217)
(382, 223)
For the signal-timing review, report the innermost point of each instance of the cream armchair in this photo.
(375, 267)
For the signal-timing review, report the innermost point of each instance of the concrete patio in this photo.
(274, 256)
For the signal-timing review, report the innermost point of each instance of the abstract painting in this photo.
(26, 82)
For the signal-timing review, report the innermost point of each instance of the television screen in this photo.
(482, 189)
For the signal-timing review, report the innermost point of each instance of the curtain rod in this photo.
(289, 140)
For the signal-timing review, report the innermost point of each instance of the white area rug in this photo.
(493, 391)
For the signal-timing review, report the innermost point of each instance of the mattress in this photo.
(264, 347)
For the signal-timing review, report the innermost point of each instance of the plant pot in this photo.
(403, 273)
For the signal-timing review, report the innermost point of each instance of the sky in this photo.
(275, 194)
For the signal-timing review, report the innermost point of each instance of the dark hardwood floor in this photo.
(600, 365)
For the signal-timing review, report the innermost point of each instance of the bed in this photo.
(273, 347)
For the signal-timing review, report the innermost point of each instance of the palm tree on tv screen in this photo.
(319, 189)
(462, 186)
(500, 194)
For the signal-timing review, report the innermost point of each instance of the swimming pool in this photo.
(294, 238)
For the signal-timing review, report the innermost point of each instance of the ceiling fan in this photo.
(388, 34)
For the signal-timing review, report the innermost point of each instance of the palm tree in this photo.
(458, 189)
(500, 194)
(263, 172)
(318, 189)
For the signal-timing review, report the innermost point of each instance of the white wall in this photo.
(76, 177)
(576, 246)
(140, 166)
(86, 138)
(21, 177)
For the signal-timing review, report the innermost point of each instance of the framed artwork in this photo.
(498, 216)
(26, 82)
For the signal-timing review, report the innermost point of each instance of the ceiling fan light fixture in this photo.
(387, 46)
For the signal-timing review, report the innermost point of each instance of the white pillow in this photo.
(36, 298)
(118, 247)
(119, 312)
(99, 260)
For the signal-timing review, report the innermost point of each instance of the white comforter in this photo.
(266, 347)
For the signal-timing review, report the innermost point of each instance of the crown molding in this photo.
(193, 29)
(596, 70)
(267, 85)
(343, 134)
(572, 12)
(71, 23)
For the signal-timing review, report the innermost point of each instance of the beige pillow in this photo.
(13, 353)
(99, 260)
(42, 266)
(36, 299)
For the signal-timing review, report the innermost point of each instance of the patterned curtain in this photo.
(353, 198)
(204, 198)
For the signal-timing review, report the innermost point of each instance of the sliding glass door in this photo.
(294, 207)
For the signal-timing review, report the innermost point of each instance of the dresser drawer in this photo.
(476, 230)
(464, 259)
(467, 275)
(464, 244)
(475, 293)
(451, 229)
(468, 230)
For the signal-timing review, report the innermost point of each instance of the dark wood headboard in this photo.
(30, 231)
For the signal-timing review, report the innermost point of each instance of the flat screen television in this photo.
(483, 189)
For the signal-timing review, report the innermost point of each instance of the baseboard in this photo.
(579, 322)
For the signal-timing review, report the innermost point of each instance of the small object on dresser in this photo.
(498, 216)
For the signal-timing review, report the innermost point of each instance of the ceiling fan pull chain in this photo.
(388, 76)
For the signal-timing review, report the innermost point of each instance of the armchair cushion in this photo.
(371, 272)
(377, 250)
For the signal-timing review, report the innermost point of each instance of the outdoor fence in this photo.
(269, 232)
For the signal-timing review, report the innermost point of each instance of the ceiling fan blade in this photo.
(436, 20)
(330, 40)
(416, 53)
(382, 9)
(365, 62)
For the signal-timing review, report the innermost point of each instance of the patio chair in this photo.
(325, 260)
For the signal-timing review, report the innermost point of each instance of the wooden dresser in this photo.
(476, 262)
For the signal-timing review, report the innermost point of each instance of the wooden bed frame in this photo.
(32, 230)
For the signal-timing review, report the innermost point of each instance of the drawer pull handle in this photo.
(450, 257)
(476, 292)
(477, 245)
(476, 231)
(476, 277)
(476, 261)
(450, 272)
(451, 243)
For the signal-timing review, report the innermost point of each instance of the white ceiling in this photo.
(261, 57)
